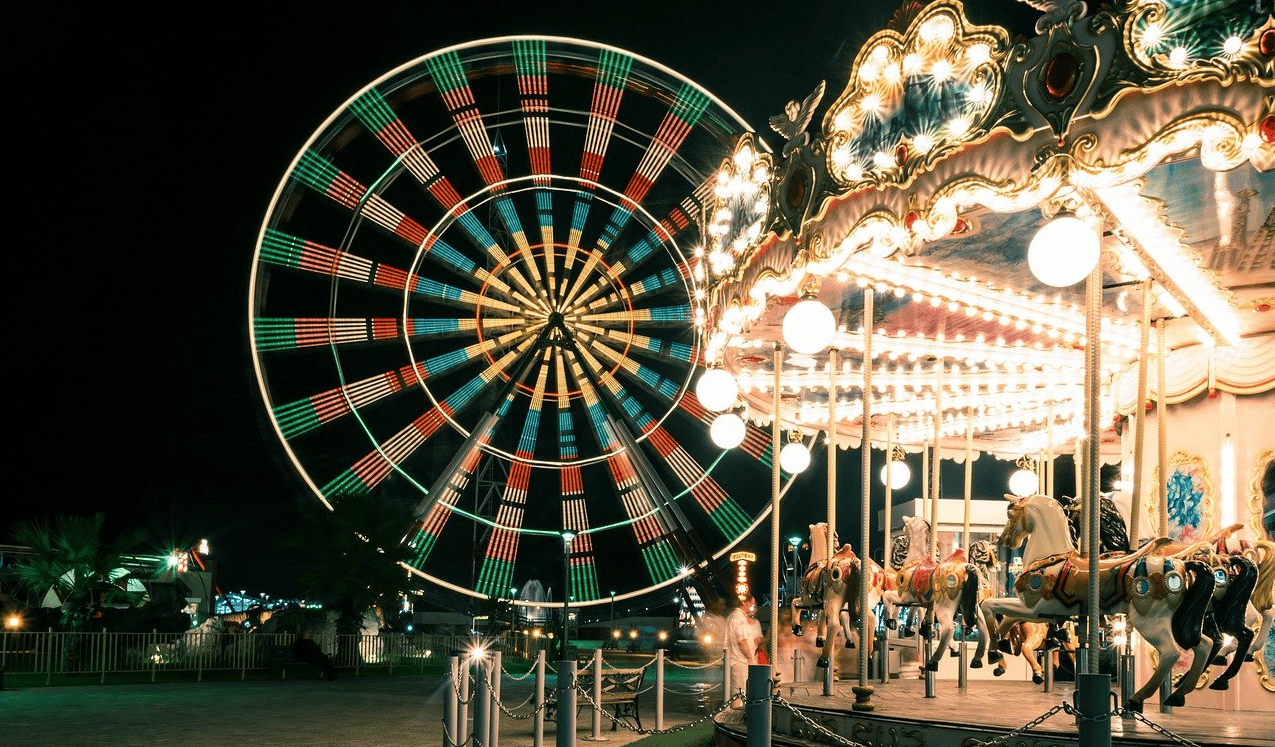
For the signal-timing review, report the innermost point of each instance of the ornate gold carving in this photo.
(886, 735)
(1256, 501)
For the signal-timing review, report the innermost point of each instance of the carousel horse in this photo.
(833, 590)
(1261, 606)
(942, 589)
(1165, 598)
(1236, 577)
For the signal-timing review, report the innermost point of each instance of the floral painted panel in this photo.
(1189, 506)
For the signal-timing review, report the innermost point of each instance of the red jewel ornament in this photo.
(1262, 307)
(1212, 394)
(1266, 45)
(1266, 128)
(1061, 74)
(1148, 405)
(901, 154)
(910, 219)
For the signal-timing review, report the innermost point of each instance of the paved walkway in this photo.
(367, 712)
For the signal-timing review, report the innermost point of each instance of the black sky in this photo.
(143, 149)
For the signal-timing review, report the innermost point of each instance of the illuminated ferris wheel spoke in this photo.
(502, 547)
(374, 467)
(757, 442)
(647, 517)
(724, 512)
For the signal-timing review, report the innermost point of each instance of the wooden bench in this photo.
(620, 691)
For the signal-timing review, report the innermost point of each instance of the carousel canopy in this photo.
(1149, 127)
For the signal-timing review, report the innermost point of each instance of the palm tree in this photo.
(349, 558)
(73, 557)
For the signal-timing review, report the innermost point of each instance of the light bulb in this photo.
(727, 430)
(809, 327)
(716, 389)
(1064, 251)
(794, 458)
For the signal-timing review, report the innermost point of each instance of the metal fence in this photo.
(196, 651)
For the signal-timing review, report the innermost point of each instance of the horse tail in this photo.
(967, 605)
(1229, 610)
(1188, 618)
(1263, 555)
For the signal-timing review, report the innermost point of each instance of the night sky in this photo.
(143, 151)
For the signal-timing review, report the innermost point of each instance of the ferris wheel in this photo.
(476, 294)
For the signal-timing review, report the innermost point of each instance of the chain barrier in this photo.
(818, 727)
(520, 716)
(670, 662)
(1126, 713)
(1025, 727)
(516, 677)
(447, 742)
(588, 699)
(473, 691)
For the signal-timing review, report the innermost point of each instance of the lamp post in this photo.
(613, 617)
(567, 537)
(794, 542)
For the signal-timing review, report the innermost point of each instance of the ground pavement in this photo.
(362, 712)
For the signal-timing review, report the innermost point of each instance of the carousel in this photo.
(979, 247)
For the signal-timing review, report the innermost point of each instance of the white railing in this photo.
(101, 653)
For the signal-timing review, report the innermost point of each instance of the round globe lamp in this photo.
(809, 326)
(727, 430)
(1064, 251)
(716, 389)
(1023, 483)
(895, 474)
(794, 458)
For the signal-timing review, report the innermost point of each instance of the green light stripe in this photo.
(275, 334)
(613, 69)
(373, 111)
(279, 248)
(423, 542)
(315, 171)
(447, 71)
(346, 483)
(588, 580)
(493, 579)
(689, 105)
(296, 418)
(529, 57)
(730, 518)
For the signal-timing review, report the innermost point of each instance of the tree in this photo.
(348, 558)
(73, 557)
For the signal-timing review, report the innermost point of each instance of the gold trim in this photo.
(1256, 501)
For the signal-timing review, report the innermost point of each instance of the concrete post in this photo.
(462, 706)
(596, 734)
(482, 704)
(757, 698)
(1092, 698)
(565, 735)
(450, 699)
(659, 689)
(494, 733)
(538, 702)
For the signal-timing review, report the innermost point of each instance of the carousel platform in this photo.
(984, 711)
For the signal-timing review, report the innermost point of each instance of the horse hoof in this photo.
(1133, 706)
(818, 643)
(954, 654)
(976, 664)
(796, 630)
(998, 671)
(1248, 658)
(907, 633)
(849, 643)
(925, 630)
(1004, 647)
(1218, 661)
(993, 657)
(1175, 700)
(892, 624)
(1037, 679)
(1219, 684)
(822, 663)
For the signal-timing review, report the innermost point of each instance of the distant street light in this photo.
(567, 538)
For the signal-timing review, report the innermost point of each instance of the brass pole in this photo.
(938, 459)
(774, 512)
(1161, 428)
(863, 693)
(829, 673)
(1140, 418)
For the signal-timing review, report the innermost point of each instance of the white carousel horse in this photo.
(833, 589)
(942, 589)
(1165, 598)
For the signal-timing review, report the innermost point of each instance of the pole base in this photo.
(863, 698)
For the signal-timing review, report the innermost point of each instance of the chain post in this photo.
(496, 664)
(538, 724)
(758, 695)
(450, 702)
(659, 689)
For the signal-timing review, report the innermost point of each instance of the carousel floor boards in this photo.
(905, 718)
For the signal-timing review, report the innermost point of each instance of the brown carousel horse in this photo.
(833, 590)
(942, 589)
(1165, 598)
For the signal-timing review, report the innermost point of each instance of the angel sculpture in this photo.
(1056, 12)
(792, 123)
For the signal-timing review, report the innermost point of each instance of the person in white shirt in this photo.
(743, 644)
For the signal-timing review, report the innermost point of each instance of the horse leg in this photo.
(1033, 642)
(1156, 631)
(943, 615)
(890, 601)
(1243, 640)
(1268, 617)
(1199, 660)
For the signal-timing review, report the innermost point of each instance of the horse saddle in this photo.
(921, 581)
(1066, 578)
